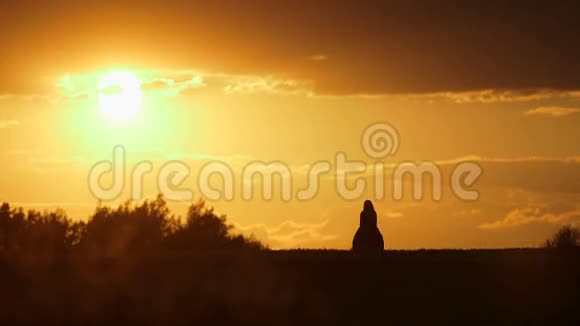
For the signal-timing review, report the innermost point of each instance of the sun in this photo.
(120, 96)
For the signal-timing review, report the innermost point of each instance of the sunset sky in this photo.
(298, 81)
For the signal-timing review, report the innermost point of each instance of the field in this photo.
(512, 286)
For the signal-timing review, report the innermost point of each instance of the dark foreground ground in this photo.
(531, 286)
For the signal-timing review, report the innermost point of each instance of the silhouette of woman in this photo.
(368, 237)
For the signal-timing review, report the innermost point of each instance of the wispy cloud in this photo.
(538, 214)
(255, 84)
(390, 214)
(487, 96)
(553, 111)
(69, 87)
(540, 159)
(185, 82)
(289, 233)
(318, 57)
(52, 204)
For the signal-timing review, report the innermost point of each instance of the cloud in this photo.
(379, 48)
(559, 214)
(255, 84)
(53, 204)
(318, 57)
(111, 90)
(499, 96)
(186, 82)
(392, 214)
(290, 234)
(191, 83)
(477, 158)
(532, 173)
(8, 123)
(538, 174)
(181, 82)
(553, 111)
(156, 84)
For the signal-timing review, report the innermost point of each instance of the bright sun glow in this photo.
(120, 96)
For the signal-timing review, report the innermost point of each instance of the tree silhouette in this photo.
(128, 229)
(37, 233)
(205, 230)
(565, 238)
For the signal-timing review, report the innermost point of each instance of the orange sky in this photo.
(297, 83)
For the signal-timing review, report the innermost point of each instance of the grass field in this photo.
(512, 286)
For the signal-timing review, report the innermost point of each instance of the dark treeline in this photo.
(129, 229)
(140, 264)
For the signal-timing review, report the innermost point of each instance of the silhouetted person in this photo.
(368, 237)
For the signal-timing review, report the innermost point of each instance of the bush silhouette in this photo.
(565, 238)
(127, 230)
